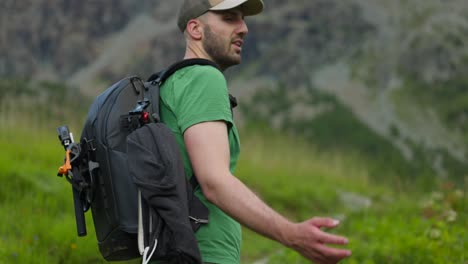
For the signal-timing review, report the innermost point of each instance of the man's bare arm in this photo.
(208, 148)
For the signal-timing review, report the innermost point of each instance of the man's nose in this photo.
(242, 29)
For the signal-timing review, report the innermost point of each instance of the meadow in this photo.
(388, 219)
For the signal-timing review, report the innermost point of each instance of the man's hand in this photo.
(309, 240)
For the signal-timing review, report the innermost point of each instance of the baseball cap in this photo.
(191, 9)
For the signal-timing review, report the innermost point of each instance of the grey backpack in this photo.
(127, 168)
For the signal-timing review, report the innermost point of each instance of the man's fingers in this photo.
(326, 238)
(324, 222)
(333, 253)
(313, 242)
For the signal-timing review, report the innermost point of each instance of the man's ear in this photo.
(194, 29)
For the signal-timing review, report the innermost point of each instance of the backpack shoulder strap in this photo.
(162, 76)
(155, 81)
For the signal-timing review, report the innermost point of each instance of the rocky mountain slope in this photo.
(396, 66)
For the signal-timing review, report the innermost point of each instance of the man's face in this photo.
(223, 36)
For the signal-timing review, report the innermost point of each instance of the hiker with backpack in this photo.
(155, 160)
(195, 105)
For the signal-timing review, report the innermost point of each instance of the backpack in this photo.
(114, 168)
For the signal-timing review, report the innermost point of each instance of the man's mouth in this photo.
(238, 43)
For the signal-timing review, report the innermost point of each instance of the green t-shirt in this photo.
(190, 96)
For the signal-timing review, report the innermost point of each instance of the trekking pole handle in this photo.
(65, 137)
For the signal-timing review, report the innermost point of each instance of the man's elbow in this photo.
(212, 187)
(210, 192)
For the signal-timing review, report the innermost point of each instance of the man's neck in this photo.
(193, 51)
(196, 52)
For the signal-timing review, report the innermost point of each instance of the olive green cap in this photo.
(191, 9)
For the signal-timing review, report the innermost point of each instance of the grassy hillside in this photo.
(384, 223)
(387, 222)
(326, 122)
(449, 98)
(392, 220)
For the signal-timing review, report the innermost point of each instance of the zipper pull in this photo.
(198, 221)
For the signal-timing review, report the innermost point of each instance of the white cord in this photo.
(141, 244)
(146, 258)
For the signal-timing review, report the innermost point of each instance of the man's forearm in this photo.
(207, 145)
(237, 200)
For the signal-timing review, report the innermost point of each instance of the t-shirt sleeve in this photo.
(201, 96)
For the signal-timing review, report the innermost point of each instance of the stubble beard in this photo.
(216, 48)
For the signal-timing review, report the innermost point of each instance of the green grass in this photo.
(292, 176)
(404, 224)
(408, 220)
(36, 205)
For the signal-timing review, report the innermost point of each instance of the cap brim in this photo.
(249, 7)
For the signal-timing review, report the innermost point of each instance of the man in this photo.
(195, 105)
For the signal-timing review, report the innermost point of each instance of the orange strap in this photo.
(63, 170)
